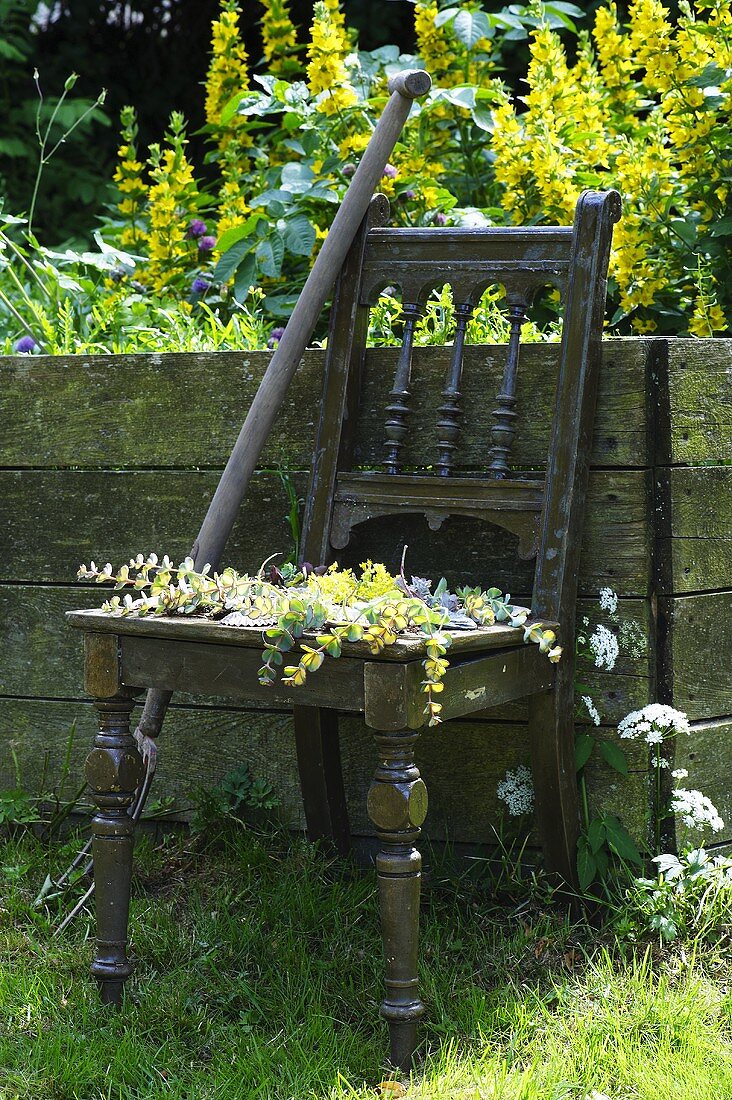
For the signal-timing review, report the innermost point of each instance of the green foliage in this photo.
(689, 899)
(230, 802)
(45, 809)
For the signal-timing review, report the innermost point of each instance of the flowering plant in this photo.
(328, 605)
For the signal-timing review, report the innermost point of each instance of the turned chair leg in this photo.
(397, 805)
(113, 770)
(551, 729)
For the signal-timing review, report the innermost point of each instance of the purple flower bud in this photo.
(407, 196)
(440, 218)
(349, 170)
(197, 228)
(25, 345)
(390, 172)
(200, 285)
(206, 244)
(274, 337)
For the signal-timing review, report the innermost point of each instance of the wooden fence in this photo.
(103, 457)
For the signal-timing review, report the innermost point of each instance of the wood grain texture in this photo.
(700, 393)
(700, 641)
(101, 411)
(109, 515)
(200, 746)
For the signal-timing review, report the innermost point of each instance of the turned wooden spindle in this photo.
(398, 409)
(114, 770)
(397, 805)
(504, 430)
(448, 426)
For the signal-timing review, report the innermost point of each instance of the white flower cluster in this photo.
(631, 639)
(604, 646)
(591, 709)
(654, 723)
(608, 600)
(696, 810)
(517, 791)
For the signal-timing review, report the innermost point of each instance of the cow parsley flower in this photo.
(653, 724)
(680, 773)
(517, 791)
(696, 810)
(608, 600)
(604, 646)
(591, 709)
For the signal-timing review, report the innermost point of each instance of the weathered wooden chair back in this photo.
(544, 512)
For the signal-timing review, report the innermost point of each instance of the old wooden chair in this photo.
(124, 656)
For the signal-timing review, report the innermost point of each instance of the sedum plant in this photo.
(311, 612)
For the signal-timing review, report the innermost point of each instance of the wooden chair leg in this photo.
(397, 805)
(113, 769)
(321, 776)
(551, 728)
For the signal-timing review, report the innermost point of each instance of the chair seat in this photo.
(488, 666)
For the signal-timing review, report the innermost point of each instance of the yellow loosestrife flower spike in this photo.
(173, 201)
(433, 43)
(228, 71)
(128, 177)
(279, 37)
(327, 73)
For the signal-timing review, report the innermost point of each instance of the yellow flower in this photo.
(128, 177)
(327, 74)
(279, 37)
(172, 202)
(228, 73)
(434, 44)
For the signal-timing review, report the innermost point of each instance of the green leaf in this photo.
(583, 747)
(614, 756)
(270, 253)
(586, 864)
(245, 278)
(237, 233)
(445, 16)
(299, 235)
(596, 834)
(470, 27)
(230, 261)
(621, 842)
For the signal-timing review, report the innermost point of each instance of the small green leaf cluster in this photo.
(296, 607)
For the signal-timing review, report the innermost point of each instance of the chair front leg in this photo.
(397, 805)
(113, 770)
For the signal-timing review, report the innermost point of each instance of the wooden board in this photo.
(101, 411)
(55, 519)
(700, 646)
(462, 762)
(700, 399)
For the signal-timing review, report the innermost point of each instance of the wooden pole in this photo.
(222, 511)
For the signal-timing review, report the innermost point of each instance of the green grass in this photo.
(259, 975)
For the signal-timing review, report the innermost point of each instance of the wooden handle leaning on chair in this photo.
(216, 528)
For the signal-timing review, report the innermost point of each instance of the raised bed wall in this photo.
(103, 457)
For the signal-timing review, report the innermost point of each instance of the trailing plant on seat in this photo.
(325, 606)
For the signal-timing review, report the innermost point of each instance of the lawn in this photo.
(259, 971)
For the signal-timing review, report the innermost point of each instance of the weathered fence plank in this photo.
(462, 762)
(55, 519)
(159, 411)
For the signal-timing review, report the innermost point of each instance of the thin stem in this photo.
(24, 260)
(21, 320)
